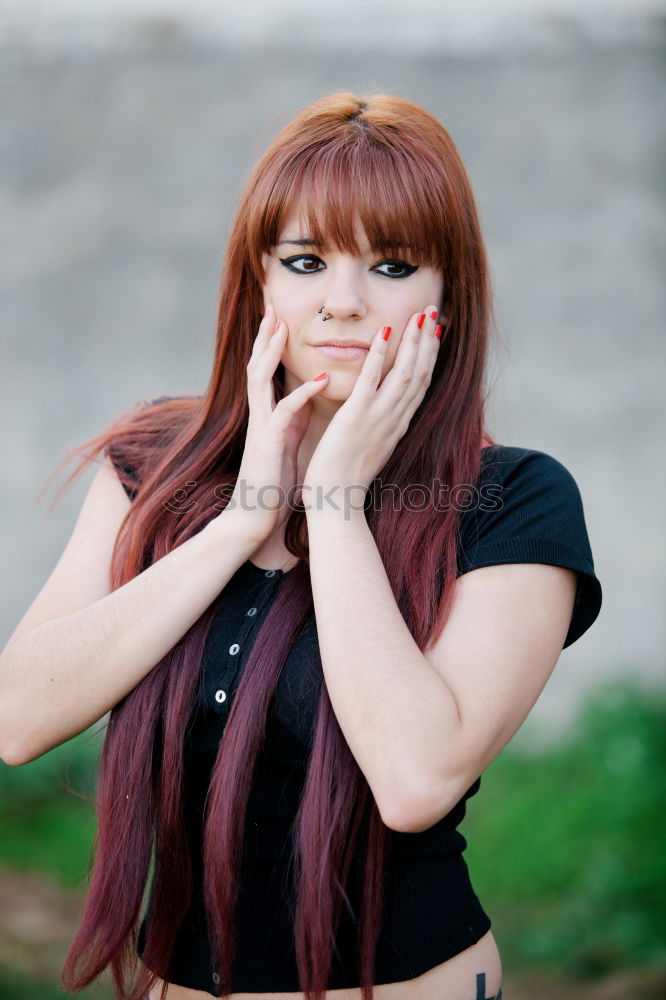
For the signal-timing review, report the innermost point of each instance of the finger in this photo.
(270, 352)
(399, 378)
(411, 373)
(264, 333)
(261, 367)
(371, 371)
(425, 359)
(289, 405)
(426, 355)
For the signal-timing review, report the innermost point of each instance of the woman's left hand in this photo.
(362, 435)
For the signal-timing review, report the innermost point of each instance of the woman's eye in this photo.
(290, 261)
(401, 265)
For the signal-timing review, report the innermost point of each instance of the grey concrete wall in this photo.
(120, 170)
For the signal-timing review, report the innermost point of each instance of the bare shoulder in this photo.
(81, 574)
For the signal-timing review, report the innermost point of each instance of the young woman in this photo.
(326, 560)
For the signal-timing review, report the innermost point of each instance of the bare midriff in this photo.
(456, 979)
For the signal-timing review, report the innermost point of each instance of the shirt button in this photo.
(269, 572)
(234, 649)
(251, 612)
(220, 696)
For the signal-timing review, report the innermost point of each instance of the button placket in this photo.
(232, 665)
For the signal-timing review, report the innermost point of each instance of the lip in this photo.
(347, 352)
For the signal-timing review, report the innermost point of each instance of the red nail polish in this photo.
(319, 377)
(386, 332)
(420, 320)
(438, 331)
(433, 314)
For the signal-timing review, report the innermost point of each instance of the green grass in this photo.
(565, 846)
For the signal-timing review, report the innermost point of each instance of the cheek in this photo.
(294, 356)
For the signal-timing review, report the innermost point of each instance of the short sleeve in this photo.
(527, 508)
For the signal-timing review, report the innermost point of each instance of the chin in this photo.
(338, 387)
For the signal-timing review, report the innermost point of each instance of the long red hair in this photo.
(390, 164)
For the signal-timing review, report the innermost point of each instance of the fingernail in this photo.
(420, 320)
(438, 331)
(319, 377)
(433, 314)
(386, 332)
(277, 326)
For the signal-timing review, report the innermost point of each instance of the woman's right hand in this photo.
(274, 434)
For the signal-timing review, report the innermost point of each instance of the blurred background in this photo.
(129, 130)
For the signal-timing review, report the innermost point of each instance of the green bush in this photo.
(47, 818)
(566, 846)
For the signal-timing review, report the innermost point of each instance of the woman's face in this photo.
(363, 294)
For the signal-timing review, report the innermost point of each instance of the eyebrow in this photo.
(307, 241)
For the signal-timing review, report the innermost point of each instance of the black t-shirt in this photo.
(525, 507)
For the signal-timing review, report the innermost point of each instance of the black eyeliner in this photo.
(410, 268)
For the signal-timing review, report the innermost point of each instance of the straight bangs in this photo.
(400, 201)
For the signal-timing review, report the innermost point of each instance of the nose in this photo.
(344, 293)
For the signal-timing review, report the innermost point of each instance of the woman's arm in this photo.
(80, 649)
(423, 727)
(396, 713)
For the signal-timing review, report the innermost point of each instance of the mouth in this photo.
(347, 352)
